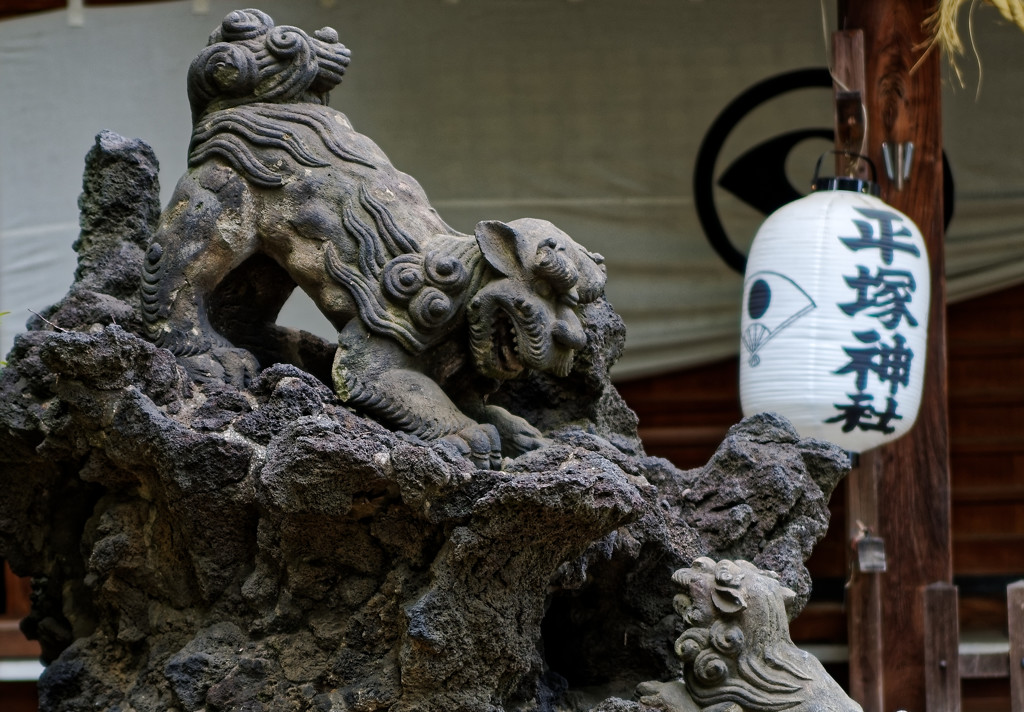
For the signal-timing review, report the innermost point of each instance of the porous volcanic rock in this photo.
(197, 546)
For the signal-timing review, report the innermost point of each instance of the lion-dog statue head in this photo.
(736, 650)
(527, 318)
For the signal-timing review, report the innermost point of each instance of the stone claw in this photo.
(517, 435)
(480, 444)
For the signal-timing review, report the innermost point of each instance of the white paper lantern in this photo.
(835, 317)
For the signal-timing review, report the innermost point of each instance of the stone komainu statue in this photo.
(281, 191)
(736, 650)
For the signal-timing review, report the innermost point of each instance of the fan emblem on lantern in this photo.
(773, 302)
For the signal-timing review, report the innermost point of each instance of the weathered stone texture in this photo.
(207, 547)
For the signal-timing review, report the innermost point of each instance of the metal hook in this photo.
(898, 162)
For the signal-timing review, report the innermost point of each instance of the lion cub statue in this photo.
(281, 191)
(736, 651)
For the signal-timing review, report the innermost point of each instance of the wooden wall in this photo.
(986, 393)
(15, 696)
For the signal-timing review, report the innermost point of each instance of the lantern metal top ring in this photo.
(850, 183)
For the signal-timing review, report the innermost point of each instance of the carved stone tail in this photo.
(152, 307)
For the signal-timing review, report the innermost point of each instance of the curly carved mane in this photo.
(405, 290)
(244, 137)
(737, 646)
(248, 59)
(256, 87)
(411, 293)
(258, 94)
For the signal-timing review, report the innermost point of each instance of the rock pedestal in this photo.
(209, 547)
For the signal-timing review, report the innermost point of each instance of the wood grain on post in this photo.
(864, 592)
(942, 648)
(1015, 619)
(863, 595)
(914, 483)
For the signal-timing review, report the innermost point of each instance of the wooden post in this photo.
(913, 472)
(863, 595)
(864, 592)
(1015, 618)
(941, 648)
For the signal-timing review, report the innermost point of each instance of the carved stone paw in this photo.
(672, 696)
(226, 364)
(517, 435)
(480, 444)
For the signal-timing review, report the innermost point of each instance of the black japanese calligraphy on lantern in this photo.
(888, 292)
(884, 294)
(884, 238)
(888, 363)
(860, 413)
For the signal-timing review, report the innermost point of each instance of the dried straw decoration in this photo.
(942, 25)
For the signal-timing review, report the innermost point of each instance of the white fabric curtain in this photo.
(588, 113)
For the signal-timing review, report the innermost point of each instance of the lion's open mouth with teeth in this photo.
(506, 340)
(505, 344)
(501, 346)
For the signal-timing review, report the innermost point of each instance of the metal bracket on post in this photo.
(898, 159)
(848, 95)
(870, 552)
(849, 133)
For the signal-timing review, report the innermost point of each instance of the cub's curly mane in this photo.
(737, 647)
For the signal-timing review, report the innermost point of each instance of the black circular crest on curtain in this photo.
(746, 176)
